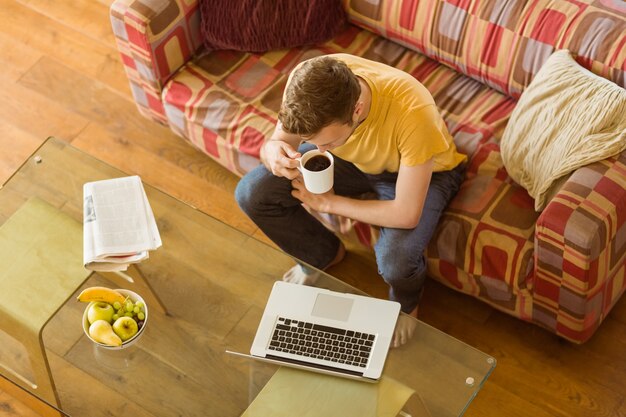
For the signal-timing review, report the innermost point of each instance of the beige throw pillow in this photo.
(566, 118)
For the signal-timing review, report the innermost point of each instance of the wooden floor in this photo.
(62, 77)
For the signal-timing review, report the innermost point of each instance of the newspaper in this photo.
(118, 226)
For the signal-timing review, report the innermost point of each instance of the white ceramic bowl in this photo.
(134, 298)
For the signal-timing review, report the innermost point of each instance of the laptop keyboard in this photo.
(322, 342)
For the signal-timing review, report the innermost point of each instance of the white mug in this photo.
(317, 181)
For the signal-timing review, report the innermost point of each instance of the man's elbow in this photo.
(410, 221)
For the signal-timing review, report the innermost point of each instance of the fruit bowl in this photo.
(135, 298)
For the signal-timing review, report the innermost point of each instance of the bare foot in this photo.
(405, 327)
(296, 275)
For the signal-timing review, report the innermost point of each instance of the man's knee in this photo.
(260, 189)
(252, 190)
(396, 268)
(244, 194)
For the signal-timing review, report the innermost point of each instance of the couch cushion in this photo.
(227, 102)
(264, 25)
(502, 43)
(566, 118)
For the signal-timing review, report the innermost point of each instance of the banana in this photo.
(102, 294)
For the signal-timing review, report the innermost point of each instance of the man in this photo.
(386, 136)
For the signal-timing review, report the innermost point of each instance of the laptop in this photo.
(325, 331)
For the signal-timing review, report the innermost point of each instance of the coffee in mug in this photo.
(317, 171)
(317, 163)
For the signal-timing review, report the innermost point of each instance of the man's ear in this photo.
(358, 111)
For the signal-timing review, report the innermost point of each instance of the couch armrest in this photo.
(155, 38)
(580, 250)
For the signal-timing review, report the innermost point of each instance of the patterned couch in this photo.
(563, 268)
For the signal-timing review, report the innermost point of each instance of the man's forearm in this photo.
(403, 212)
(385, 213)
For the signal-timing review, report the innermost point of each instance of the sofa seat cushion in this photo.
(226, 104)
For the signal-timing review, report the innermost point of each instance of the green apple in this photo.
(125, 327)
(100, 311)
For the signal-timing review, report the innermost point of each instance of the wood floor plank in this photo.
(192, 351)
(14, 355)
(61, 43)
(10, 407)
(36, 114)
(86, 97)
(74, 385)
(494, 400)
(603, 351)
(16, 145)
(620, 411)
(16, 57)
(82, 16)
(618, 313)
(216, 308)
(206, 399)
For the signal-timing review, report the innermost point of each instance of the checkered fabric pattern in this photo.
(580, 245)
(155, 38)
(563, 269)
(503, 43)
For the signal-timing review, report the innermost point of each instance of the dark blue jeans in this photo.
(267, 200)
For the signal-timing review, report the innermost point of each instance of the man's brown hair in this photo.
(322, 91)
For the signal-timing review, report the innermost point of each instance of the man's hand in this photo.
(317, 202)
(280, 159)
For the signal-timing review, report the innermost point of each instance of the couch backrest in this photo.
(503, 43)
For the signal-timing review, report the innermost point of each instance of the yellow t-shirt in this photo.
(403, 125)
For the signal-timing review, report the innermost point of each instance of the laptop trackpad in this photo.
(332, 307)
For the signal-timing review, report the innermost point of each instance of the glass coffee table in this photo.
(214, 282)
